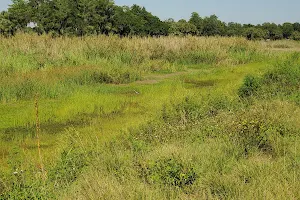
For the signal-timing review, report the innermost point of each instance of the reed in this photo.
(38, 133)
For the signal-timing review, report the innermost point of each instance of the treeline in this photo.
(93, 17)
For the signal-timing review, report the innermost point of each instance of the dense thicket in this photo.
(86, 17)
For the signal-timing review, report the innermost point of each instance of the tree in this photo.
(100, 13)
(47, 16)
(296, 26)
(234, 29)
(19, 14)
(273, 31)
(248, 26)
(153, 25)
(127, 23)
(86, 17)
(182, 27)
(197, 21)
(6, 26)
(253, 33)
(73, 17)
(287, 30)
(296, 35)
(213, 26)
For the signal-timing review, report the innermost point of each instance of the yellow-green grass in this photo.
(111, 109)
(94, 106)
(95, 114)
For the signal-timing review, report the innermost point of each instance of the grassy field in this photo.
(149, 118)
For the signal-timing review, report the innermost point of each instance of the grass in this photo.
(148, 118)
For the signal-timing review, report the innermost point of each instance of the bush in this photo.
(253, 134)
(285, 75)
(68, 169)
(282, 80)
(169, 172)
(256, 129)
(249, 87)
(296, 35)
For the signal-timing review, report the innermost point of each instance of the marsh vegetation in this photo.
(149, 118)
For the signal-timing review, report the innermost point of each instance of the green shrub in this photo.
(285, 77)
(253, 134)
(254, 131)
(249, 87)
(169, 172)
(68, 169)
(283, 80)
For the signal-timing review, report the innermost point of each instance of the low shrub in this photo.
(169, 172)
(259, 129)
(250, 86)
(285, 77)
(253, 134)
(283, 80)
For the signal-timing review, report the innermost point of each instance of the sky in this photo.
(242, 11)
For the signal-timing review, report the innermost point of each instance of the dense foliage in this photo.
(89, 17)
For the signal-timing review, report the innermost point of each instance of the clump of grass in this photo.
(170, 172)
(250, 86)
(284, 78)
(256, 134)
(281, 81)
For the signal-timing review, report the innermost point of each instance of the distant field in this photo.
(149, 118)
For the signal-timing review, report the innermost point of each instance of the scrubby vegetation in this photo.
(149, 118)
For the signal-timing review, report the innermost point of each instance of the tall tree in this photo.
(213, 26)
(274, 32)
(73, 17)
(6, 26)
(234, 29)
(253, 33)
(84, 17)
(296, 26)
(287, 30)
(197, 21)
(19, 13)
(296, 35)
(153, 26)
(182, 27)
(127, 23)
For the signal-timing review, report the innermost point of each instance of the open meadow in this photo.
(104, 117)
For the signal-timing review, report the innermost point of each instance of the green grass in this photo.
(117, 124)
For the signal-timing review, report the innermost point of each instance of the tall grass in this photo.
(29, 52)
(282, 81)
(53, 66)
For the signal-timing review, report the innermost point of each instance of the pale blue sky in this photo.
(242, 11)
